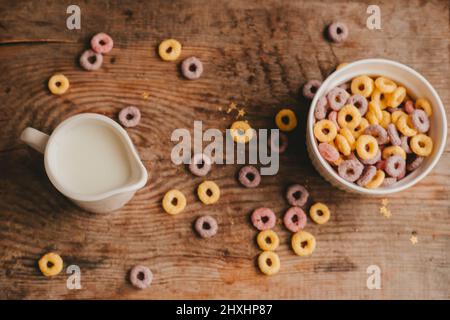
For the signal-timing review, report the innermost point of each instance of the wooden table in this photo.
(256, 54)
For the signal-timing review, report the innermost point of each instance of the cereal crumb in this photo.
(414, 240)
(384, 202)
(241, 113)
(385, 212)
(231, 107)
(145, 95)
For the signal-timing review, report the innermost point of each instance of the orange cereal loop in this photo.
(372, 118)
(241, 132)
(379, 98)
(396, 98)
(366, 147)
(169, 50)
(386, 119)
(385, 85)
(360, 128)
(58, 84)
(325, 130)
(286, 120)
(348, 135)
(269, 263)
(421, 144)
(396, 115)
(303, 243)
(405, 126)
(362, 85)
(341, 65)
(376, 181)
(50, 264)
(174, 202)
(376, 110)
(349, 117)
(425, 105)
(342, 145)
(268, 240)
(393, 150)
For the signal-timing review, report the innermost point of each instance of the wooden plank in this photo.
(257, 54)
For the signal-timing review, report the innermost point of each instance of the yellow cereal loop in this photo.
(405, 126)
(393, 150)
(268, 240)
(366, 147)
(342, 145)
(341, 65)
(286, 120)
(385, 85)
(269, 263)
(362, 85)
(396, 115)
(360, 128)
(58, 84)
(169, 50)
(208, 192)
(303, 243)
(325, 130)
(421, 144)
(372, 118)
(375, 109)
(396, 98)
(174, 202)
(319, 213)
(425, 105)
(376, 181)
(349, 117)
(379, 98)
(241, 132)
(50, 264)
(348, 135)
(386, 119)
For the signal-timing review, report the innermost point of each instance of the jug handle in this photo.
(35, 139)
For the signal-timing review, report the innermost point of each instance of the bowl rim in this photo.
(350, 185)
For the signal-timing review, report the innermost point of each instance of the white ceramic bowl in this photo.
(417, 86)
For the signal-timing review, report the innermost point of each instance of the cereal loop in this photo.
(206, 226)
(367, 175)
(405, 144)
(349, 117)
(385, 120)
(420, 120)
(385, 85)
(50, 264)
(359, 102)
(58, 84)
(200, 165)
(378, 133)
(263, 219)
(348, 135)
(129, 116)
(338, 31)
(208, 192)
(362, 85)
(425, 105)
(268, 240)
(350, 170)
(141, 277)
(174, 202)
(375, 109)
(396, 98)
(366, 147)
(328, 152)
(393, 150)
(249, 177)
(241, 132)
(393, 135)
(297, 195)
(421, 144)
(413, 165)
(337, 98)
(396, 115)
(377, 180)
(341, 65)
(379, 98)
(102, 43)
(90, 60)
(320, 112)
(319, 213)
(343, 145)
(286, 120)
(405, 126)
(192, 68)
(372, 118)
(294, 219)
(409, 106)
(303, 243)
(269, 263)
(395, 166)
(360, 128)
(169, 50)
(325, 130)
(310, 88)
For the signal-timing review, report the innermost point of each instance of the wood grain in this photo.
(258, 54)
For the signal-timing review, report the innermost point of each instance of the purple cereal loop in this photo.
(141, 277)
(388, 181)
(192, 68)
(395, 165)
(378, 132)
(337, 98)
(350, 170)
(332, 116)
(367, 175)
(321, 109)
(279, 146)
(206, 226)
(409, 106)
(420, 120)
(310, 88)
(249, 177)
(405, 144)
(328, 152)
(294, 219)
(87, 64)
(263, 219)
(373, 160)
(200, 165)
(102, 43)
(338, 31)
(413, 165)
(129, 116)
(393, 135)
(359, 102)
(297, 195)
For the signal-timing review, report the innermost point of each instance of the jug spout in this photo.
(35, 139)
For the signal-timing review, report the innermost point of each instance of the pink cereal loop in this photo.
(328, 152)
(102, 43)
(87, 64)
(294, 219)
(129, 116)
(263, 219)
